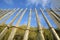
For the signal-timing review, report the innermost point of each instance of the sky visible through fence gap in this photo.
(11, 4)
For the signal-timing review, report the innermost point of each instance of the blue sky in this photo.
(24, 3)
(28, 4)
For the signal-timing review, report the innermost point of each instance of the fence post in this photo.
(50, 26)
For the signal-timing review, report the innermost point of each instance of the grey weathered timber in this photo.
(3, 12)
(55, 13)
(6, 28)
(58, 9)
(8, 17)
(28, 27)
(6, 14)
(40, 31)
(11, 36)
(55, 16)
(54, 19)
(50, 26)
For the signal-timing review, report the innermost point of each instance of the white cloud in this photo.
(8, 2)
(37, 2)
(44, 2)
(34, 2)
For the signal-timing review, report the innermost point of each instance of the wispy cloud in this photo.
(10, 2)
(44, 2)
(33, 2)
(37, 2)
